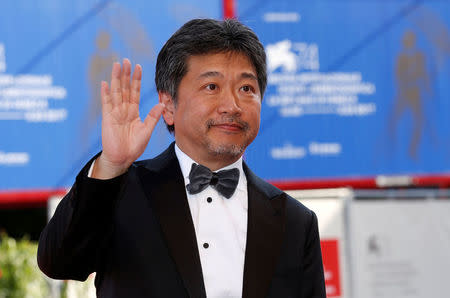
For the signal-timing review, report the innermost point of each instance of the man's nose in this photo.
(229, 103)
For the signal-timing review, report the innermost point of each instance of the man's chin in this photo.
(226, 150)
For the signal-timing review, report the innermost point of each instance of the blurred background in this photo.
(355, 124)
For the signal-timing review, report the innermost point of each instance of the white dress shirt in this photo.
(221, 229)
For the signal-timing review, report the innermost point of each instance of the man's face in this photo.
(218, 108)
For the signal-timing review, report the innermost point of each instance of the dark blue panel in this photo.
(50, 119)
(356, 88)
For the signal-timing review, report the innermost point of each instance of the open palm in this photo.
(124, 135)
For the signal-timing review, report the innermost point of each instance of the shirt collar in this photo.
(186, 163)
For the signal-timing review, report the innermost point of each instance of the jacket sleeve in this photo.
(71, 245)
(313, 275)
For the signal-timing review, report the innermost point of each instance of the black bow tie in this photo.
(224, 181)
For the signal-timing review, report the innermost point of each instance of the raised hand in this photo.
(124, 135)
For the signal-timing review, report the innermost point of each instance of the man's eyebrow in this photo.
(244, 75)
(210, 74)
(248, 75)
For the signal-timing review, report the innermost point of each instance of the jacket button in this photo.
(205, 245)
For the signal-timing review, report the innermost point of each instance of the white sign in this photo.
(400, 248)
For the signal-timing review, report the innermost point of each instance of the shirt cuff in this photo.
(91, 169)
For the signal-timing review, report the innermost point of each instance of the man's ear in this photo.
(169, 110)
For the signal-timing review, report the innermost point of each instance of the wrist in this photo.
(105, 169)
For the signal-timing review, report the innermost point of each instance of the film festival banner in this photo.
(400, 248)
(53, 56)
(355, 88)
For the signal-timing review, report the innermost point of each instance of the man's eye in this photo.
(247, 88)
(211, 87)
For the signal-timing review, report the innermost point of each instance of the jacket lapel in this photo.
(164, 187)
(266, 217)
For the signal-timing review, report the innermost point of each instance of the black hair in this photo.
(206, 36)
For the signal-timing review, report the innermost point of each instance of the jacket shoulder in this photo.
(163, 160)
(272, 191)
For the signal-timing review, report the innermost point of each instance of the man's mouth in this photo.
(231, 125)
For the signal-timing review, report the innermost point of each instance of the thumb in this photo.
(153, 116)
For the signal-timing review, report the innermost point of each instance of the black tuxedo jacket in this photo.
(137, 233)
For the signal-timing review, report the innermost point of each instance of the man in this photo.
(169, 227)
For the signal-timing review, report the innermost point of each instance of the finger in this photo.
(115, 90)
(153, 116)
(125, 80)
(136, 84)
(105, 96)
